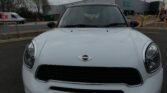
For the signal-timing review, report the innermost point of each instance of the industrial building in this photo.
(154, 7)
(133, 6)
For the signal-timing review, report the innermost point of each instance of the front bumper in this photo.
(151, 85)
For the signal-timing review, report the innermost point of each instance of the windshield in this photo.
(93, 16)
(17, 15)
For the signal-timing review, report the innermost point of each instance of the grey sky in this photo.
(55, 2)
(153, 0)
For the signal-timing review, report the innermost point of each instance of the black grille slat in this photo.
(84, 90)
(128, 76)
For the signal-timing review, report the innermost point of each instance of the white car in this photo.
(92, 50)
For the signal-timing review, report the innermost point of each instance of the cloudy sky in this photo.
(153, 0)
(54, 2)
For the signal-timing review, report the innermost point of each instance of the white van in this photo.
(11, 17)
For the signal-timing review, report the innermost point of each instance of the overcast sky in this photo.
(54, 2)
(153, 0)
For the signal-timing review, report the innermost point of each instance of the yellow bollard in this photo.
(165, 20)
(156, 20)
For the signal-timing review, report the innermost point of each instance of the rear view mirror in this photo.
(134, 23)
(52, 25)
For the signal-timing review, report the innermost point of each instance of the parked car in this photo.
(11, 17)
(93, 49)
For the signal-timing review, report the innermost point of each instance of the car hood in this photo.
(115, 47)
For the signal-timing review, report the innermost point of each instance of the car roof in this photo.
(91, 4)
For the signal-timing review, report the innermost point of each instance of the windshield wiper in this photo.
(80, 25)
(115, 24)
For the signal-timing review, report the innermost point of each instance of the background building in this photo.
(154, 7)
(133, 6)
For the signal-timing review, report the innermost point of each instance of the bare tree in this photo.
(19, 3)
(42, 7)
(45, 6)
(10, 5)
(6, 5)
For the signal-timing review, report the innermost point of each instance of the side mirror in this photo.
(51, 24)
(133, 23)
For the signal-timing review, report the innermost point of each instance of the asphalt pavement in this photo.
(10, 67)
(11, 62)
(160, 37)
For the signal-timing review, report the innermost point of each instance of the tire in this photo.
(22, 22)
(18, 22)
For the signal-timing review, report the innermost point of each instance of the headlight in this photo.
(152, 58)
(29, 57)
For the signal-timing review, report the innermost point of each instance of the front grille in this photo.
(72, 90)
(128, 76)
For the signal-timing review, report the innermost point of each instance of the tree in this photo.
(6, 5)
(11, 5)
(45, 6)
(42, 7)
(19, 4)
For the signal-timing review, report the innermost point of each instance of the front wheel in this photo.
(20, 22)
